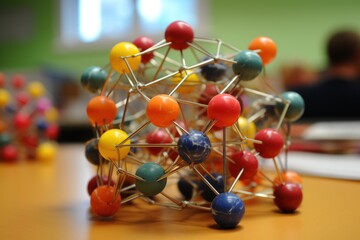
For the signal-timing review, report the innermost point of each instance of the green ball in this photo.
(5, 139)
(248, 65)
(296, 107)
(150, 172)
(93, 79)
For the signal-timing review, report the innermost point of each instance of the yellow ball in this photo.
(248, 129)
(121, 50)
(4, 98)
(189, 84)
(46, 151)
(51, 114)
(109, 140)
(36, 89)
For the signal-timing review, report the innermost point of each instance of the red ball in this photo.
(157, 137)
(102, 201)
(143, 43)
(22, 121)
(101, 110)
(30, 140)
(92, 184)
(288, 196)
(18, 81)
(245, 160)
(52, 131)
(22, 98)
(179, 33)
(225, 109)
(272, 143)
(9, 153)
(2, 80)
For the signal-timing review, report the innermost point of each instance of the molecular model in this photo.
(28, 121)
(178, 112)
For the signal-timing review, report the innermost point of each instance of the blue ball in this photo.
(227, 210)
(296, 107)
(185, 188)
(218, 184)
(248, 65)
(92, 152)
(194, 147)
(150, 172)
(213, 71)
(93, 79)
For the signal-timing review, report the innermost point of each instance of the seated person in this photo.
(336, 95)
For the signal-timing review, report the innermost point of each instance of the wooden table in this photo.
(49, 201)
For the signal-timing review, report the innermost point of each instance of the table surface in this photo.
(49, 201)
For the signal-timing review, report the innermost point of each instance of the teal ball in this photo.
(296, 107)
(93, 79)
(248, 65)
(150, 172)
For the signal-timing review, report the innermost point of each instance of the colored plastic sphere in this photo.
(3, 126)
(248, 65)
(52, 131)
(4, 98)
(186, 189)
(272, 143)
(46, 151)
(267, 48)
(2, 80)
(157, 136)
(93, 79)
(93, 183)
(143, 43)
(225, 109)
(22, 98)
(288, 176)
(288, 197)
(296, 107)
(103, 203)
(190, 83)
(179, 33)
(9, 153)
(150, 172)
(92, 153)
(243, 160)
(227, 210)
(18, 81)
(41, 124)
(108, 142)
(51, 114)
(124, 50)
(162, 110)
(247, 129)
(22, 121)
(218, 184)
(5, 139)
(36, 89)
(101, 110)
(194, 147)
(213, 71)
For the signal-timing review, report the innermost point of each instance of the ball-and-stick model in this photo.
(177, 110)
(28, 120)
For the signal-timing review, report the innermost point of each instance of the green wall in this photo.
(299, 28)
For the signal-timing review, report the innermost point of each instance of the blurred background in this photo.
(54, 41)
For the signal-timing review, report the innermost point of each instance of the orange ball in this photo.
(288, 176)
(101, 110)
(267, 48)
(102, 201)
(162, 110)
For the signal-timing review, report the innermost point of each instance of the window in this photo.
(104, 22)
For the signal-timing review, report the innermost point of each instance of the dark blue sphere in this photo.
(185, 188)
(227, 210)
(248, 65)
(41, 124)
(213, 71)
(194, 147)
(92, 152)
(218, 184)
